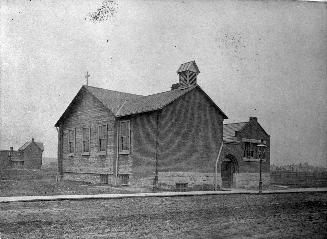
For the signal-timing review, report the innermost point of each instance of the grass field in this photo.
(43, 182)
(301, 215)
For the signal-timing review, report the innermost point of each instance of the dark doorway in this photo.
(228, 168)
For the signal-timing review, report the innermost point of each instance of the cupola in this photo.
(187, 74)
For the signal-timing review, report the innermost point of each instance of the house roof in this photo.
(123, 104)
(151, 102)
(188, 66)
(113, 100)
(40, 145)
(230, 129)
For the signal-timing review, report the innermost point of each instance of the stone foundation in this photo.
(141, 181)
(90, 178)
(193, 179)
(168, 180)
(250, 180)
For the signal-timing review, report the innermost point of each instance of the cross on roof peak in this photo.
(87, 77)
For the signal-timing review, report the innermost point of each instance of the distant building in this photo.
(240, 163)
(31, 154)
(27, 156)
(5, 158)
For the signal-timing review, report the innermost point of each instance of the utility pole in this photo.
(156, 179)
(261, 147)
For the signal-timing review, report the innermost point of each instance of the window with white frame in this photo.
(102, 137)
(86, 140)
(71, 141)
(124, 137)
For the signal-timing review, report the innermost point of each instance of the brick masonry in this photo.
(32, 156)
(189, 138)
(193, 179)
(88, 113)
(90, 178)
(246, 173)
(190, 135)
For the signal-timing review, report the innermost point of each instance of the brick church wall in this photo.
(189, 141)
(88, 113)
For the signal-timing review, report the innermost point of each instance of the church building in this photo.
(169, 140)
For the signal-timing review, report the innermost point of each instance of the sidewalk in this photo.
(159, 194)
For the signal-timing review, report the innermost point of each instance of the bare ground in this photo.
(300, 215)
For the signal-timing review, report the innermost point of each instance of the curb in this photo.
(140, 195)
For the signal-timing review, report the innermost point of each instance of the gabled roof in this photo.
(40, 145)
(156, 102)
(188, 66)
(152, 102)
(123, 104)
(113, 100)
(230, 129)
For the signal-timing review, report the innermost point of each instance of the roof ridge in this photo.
(170, 96)
(113, 90)
(237, 122)
(27, 143)
(193, 86)
(186, 90)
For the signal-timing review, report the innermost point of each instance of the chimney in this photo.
(11, 149)
(254, 119)
(175, 86)
(33, 140)
(188, 73)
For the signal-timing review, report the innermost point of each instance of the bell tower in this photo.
(187, 74)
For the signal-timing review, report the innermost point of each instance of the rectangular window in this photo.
(247, 149)
(102, 137)
(86, 140)
(251, 150)
(124, 137)
(71, 141)
(181, 187)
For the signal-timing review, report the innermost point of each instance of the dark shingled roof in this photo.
(188, 66)
(123, 104)
(151, 102)
(113, 100)
(40, 145)
(230, 129)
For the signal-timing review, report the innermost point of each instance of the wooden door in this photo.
(226, 174)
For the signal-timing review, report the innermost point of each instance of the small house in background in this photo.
(5, 158)
(28, 156)
(31, 154)
(241, 155)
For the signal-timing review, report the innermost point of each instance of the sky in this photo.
(266, 59)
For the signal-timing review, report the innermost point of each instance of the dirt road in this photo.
(301, 215)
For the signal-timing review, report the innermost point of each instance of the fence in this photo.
(303, 179)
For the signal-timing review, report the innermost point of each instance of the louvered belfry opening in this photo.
(188, 74)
